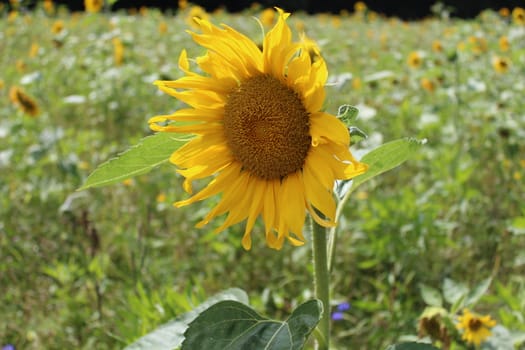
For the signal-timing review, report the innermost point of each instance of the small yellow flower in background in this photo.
(428, 84)
(183, 4)
(57, 27)
(414, 60)
(23, 101)
(299, 26)
(504, 12)
(118, 51)
(2, 84)
(12, 16)
(49, 6)
(500, 64)
(516, 176)
(33, 50)
(477, 44)
(476, 328)
(522, 163)
(83, 165)
(163, 28)
(360, 7)
(357, 83)
(504, 44)
(195, 14)
(93, 6)
(267, 17)
(161, 197)
(260, 133)
(143, 10)
(437, 46)
(336, 21)
(518, 15)
(128, 182)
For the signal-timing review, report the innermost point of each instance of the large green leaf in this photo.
(386, 157)
(230, 325)
(152, 151)
(171, 335)
(412, 346)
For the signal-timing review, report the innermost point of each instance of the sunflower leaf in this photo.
(171, 334)
(386, 157)
(231, 325)
(151, 152)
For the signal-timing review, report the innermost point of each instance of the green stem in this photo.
(322, 282)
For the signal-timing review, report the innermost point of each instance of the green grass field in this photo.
(97, 269)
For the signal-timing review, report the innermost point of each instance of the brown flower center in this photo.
(474, 324)
(267, 127)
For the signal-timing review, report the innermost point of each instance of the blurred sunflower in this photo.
(504, 44)
(267, 17)
(23, 101)
(476, 328)
(504, 12)
(93, 6)
(33, 50)
(118, 51)
(518, 15)
(49, 6)
(163, 27)
(260, 133)
(427, 84)
(437, 46)
(414, 60)
(500, 64)
(57, 27)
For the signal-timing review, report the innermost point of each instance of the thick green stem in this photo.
(322, 282)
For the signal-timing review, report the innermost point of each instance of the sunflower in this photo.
(57, 27)
(23, 101)
(500, 64)
(267, 17)
(503, 43)
(518, 15)
(475, 327)
(93, 6)
(414, 60)
(259, 132)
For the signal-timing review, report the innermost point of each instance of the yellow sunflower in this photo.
(259, 132)
(414, 60)
(500, 64)
(518, 15)
(23, 101)
(93, 6)
(475, 327)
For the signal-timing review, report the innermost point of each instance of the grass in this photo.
(100, 268)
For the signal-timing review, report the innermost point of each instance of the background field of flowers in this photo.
(100, 268)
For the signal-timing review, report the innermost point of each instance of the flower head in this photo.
(518, 15)
(267, 17)
(23, 101)
(414, 60)
(476, 328)
(259, 132)
(93, 6)
(500, 64)
(57, 27)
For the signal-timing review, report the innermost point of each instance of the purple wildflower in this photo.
(337, 316)
(343, 307)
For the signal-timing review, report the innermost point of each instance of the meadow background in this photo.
(98, 269)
